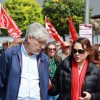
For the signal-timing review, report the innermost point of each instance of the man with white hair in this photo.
(24, 68)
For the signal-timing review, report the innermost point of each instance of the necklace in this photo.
(79, 68)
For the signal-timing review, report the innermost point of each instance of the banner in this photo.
(7, 23)
(52, 32)
(72, 32)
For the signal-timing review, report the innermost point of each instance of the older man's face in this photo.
(35, 46)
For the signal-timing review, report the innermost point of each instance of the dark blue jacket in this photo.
(10, 73)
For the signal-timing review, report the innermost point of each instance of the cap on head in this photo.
(5, 42)
(64, 44)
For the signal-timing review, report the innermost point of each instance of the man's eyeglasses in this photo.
(80, 51)
(40, 42)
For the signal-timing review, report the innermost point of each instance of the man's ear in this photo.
(29, 38)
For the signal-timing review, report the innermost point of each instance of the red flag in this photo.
(72, 32)
(52, 32)
(7, 23)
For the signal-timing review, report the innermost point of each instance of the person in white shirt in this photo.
(24, 73)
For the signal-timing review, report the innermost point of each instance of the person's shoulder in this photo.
(12, 49)
(94, 67)
(67, 59)
(44, 55)
(58, 57)
(66, 62)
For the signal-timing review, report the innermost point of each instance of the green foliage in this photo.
(24, 12)
(57, 13)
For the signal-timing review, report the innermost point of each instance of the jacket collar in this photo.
(90, 67)
(17, 50)
(41, 56)
(67, 63)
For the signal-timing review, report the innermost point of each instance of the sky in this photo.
(94, 4)
(1, 1)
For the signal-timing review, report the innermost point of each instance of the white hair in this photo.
(37, 30)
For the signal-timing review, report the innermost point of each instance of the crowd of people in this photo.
(34, 69)
(7, 44)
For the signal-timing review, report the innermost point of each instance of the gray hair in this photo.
(37, 30)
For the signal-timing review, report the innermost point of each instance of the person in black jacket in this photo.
(77, 78)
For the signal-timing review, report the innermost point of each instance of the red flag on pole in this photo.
(72, 32)
(7, 23)
(52, 32)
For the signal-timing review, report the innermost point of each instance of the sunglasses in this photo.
(52, 49)
(67, 47)
(80, 51)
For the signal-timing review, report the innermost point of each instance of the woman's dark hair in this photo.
(56, 56)
(86, 45)
(95, 48)
(95, 54)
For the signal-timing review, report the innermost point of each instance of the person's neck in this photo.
(27, 50)
(65, 53)
(80, 65)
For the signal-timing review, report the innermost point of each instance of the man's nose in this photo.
(43, 46)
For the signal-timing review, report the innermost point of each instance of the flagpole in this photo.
(86, 11)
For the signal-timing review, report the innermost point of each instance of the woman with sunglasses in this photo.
(51, 51)
(77, 78)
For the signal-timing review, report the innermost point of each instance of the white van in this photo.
(6, 38)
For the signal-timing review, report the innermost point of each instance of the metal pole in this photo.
(86, 11)
(0, 31)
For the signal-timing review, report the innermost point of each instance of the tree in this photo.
(24, 12)
(57, 13)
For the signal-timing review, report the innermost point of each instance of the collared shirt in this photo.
(29, 87)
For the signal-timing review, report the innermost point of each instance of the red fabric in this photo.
(7, 23)
(49, 86)
(52, 32)
(77, 80)
(72, 32)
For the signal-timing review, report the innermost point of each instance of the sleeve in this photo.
(55, 84)
(96, 95)
(3, 72)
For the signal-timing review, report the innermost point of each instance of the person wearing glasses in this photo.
(55, 61)
(77, 78)
(24, 69)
